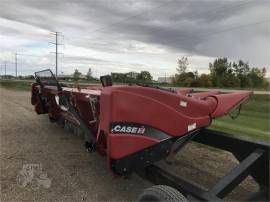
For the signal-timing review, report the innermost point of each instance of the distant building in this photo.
(128, 75)
(165, 79)
(132, 75)
(124, 77)
(65, 77)
(117, 76)
(70, 76)
(82, 76)
(7, 77)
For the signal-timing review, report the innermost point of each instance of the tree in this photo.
(230, 80)
(257, 77)
(205, 80)
(77, 75)
(89, 74)
(241, 71)
(144, 76)
(221, 72)
(182, 65)
(188, 79)
(182, 77)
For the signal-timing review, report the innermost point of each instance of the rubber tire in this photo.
(52, 120)
(161, 193)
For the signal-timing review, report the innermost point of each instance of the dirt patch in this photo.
(67, 172)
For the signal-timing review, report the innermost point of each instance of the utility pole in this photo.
(16, 64)
(56, 50)
(5, 69)
(56, 53)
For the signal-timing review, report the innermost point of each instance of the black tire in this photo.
(52, 119)
(161, 193)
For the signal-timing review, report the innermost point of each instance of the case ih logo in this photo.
(128, 129)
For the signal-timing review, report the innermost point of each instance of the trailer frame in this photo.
(253, 160)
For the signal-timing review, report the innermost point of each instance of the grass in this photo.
(16, 85)
(252, 123)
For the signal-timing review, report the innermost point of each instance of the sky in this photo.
(132, 35)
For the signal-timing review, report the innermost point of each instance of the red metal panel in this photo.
(227, 102)
(156, 108)
(202, 95)
(172, 113)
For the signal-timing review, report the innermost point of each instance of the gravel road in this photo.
(42, 162)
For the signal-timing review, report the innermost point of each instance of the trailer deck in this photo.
(253, 160)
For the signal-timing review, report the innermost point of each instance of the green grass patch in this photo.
(16, 85)
(253, 122)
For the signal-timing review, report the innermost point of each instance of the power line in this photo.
(132, 16)
(6, 62)
(210, 34)
(219, 9)
(56, 50)
(5, 69)
(5, 65)
(32, 55)
(137, 15)
(16, 64)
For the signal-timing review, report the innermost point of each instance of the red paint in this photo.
(202, 95)
(171, 113)
(227, 102)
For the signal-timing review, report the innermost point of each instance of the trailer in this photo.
(137, 127)
(253, 160)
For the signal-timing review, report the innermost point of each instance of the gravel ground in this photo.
(42, 162)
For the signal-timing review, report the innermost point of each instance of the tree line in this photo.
(223, 73)
(130, 77)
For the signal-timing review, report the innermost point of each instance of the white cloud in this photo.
(103, 36)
